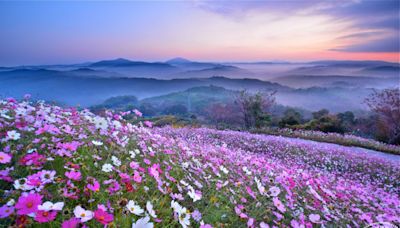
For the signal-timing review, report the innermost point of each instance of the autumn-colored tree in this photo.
(386, 104)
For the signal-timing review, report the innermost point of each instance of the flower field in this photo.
(331, 137)
(67, 168)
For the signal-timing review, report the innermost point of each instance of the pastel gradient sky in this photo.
(41, 32)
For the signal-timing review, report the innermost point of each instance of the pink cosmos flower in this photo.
(28, 204)
(206, 226)
(148, 123)
(315, 218)
(34, 180)
(137, 112)
(6, 211)
(94, 185)
(250, 192)
(103, 217)
(34, 158)
(45, 216)
(134, 165)
(4, 158)
(71, 223)
(74, 175)
(113, 186)
(278, 204)
(124, 177)
(136, 177)
(250, 222)
(155, 171)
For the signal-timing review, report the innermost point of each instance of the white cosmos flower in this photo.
(97, 143)
(132, 154)
(49, 206)
(150, 209)
(11, 202)
(82, 214)
(193, 194)
(246, 170)
(23, 185)
(100, 123)
(175, 205)
(13, 135)
(223, 169)
(107, 168)
(116, 161)
(184, 217)
(260, 187)
(143, 223)
(185, 165)
(134, 208)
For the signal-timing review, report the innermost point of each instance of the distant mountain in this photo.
(178, 60)
(306, 81)
(74, 88)
(186, 64)
(196, 99)
(128, 63)
(217, 70)
(384, 69)
(353, 63)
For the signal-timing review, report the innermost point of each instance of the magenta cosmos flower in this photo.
(71, 223)
(93, 185)
(74, 175)
(103, 217)
(28, 204)
(45, 216)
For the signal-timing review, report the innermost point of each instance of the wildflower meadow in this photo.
(63, 167)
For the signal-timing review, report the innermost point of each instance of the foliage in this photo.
(255, 107)
(386, 104)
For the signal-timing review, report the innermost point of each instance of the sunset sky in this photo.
(73, 32)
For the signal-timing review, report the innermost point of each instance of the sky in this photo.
(58, 32)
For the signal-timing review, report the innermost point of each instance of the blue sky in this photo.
(41, 32)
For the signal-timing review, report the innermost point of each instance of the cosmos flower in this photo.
(49, 206)
(279, 205)
(82, 214)
(28, 204)
(150, 210)
(107, 168)
(13, 135)
(74, 175)
(6, 211)
(93, 185)
(314, 218)
(115, 161)
(274, 191)
(134, 208)
(137, 112)
(196, 215)
(97, 143)
(4, 158)
(143, 223)
(195, 195)
(71, 223)
(103, 217)
(45, 216)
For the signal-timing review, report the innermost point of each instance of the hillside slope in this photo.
(100, 171)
